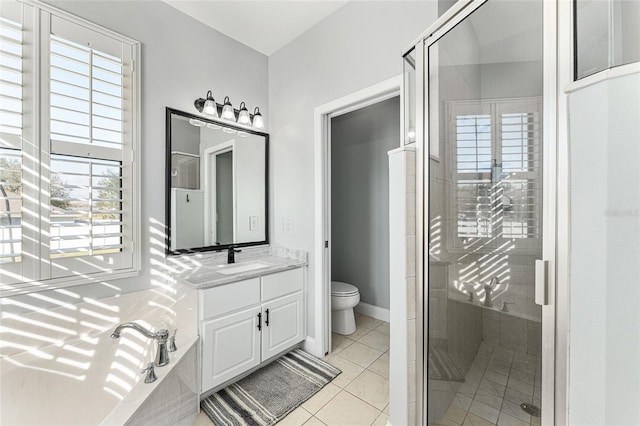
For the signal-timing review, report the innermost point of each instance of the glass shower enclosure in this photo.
(479, 107)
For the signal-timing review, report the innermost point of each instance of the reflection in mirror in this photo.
(217, 175)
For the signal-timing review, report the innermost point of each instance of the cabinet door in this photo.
(286, 324)
(230, 346)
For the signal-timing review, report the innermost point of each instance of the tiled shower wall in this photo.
(402, 248)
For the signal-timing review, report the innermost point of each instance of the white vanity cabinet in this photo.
(244, 323)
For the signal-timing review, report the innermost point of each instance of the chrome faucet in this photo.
(161, 336)
(488, 288)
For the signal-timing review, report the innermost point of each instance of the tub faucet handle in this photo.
(172, 341)
(151, 374)
(505, 306)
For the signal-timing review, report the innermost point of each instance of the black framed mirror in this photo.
(216, 188)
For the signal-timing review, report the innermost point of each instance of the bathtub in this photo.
(60, 367)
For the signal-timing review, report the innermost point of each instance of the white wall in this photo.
(604, 367)
(357, 46)
(181, 59)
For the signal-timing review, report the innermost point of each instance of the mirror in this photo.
(216, 184)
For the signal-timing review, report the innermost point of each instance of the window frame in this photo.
(37, 268)
(494, 243)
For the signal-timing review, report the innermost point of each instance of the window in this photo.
(606, 35)
(497, 183)
(68, 138)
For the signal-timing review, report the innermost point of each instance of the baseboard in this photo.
(376, 312)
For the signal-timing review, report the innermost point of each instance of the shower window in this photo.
(495, 150)
(410, 97)
(607, 34)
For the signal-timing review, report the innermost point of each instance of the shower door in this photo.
(483, 85)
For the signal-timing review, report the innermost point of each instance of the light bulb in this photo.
(207, 106)
(243, 115)
(227, 110)
(210, 108)
(258, 122)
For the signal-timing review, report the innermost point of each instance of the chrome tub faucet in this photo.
(161, 336)
(488, 288)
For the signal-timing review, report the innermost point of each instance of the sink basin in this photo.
(243, 267)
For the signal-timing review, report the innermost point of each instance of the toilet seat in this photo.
(340, 289)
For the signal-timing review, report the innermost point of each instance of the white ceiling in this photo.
(263, 25)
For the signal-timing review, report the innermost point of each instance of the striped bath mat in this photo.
(269, 394)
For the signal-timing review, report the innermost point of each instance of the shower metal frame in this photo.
(557, 74)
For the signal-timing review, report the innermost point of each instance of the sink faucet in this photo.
(231, 255)
(488, 288)
(161, 336)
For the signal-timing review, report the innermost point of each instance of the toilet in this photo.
(344, 297)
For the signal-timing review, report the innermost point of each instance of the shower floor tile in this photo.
(495, 386)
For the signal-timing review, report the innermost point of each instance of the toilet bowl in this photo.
(344, 297)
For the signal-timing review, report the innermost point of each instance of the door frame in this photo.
(209, 166)
(322, 115)
(556, 21)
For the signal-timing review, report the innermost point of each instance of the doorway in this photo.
(321, 344)
(359, 166)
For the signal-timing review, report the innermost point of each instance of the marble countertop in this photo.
(206, 275)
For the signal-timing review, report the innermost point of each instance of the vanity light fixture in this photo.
(227, 110)
(258, 122)
(243, 115)
(207, 106)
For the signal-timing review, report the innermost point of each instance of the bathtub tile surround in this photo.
(69, 349)
(172, 403)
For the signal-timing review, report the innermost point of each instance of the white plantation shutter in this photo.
(10, 82)
(11, 95)
(473, 156)
(521, 157)
(88, 180)
(86, 97)
(77, 179)
(489, 209)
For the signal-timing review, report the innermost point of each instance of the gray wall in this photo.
(360, 141)
(181, 59)
(357, 46)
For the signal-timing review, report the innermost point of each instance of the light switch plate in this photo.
(253, 223)
(287, 226)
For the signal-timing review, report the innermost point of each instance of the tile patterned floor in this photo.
(357, 397)
(498, 381)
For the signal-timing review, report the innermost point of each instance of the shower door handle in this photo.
(542, 282)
